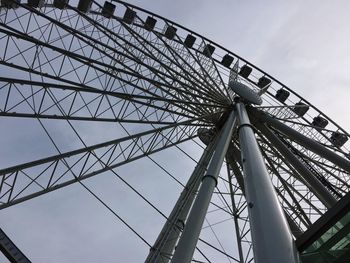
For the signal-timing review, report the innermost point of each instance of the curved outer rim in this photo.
(262, 72)
(238, 57)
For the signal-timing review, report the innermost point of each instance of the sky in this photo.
(304, 44)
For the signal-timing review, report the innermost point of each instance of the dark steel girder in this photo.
(295, 207)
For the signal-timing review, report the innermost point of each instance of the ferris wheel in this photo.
(111, 90)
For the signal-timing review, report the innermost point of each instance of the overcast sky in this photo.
(304, 44)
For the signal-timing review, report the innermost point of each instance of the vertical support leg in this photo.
(272, 238)
(166, 241)
(190, 235)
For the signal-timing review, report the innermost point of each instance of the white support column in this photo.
(272, 238)
(187, 244)
(168, 237)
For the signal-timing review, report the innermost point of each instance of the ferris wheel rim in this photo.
(264, 73)
(235, 55)
(248, 63)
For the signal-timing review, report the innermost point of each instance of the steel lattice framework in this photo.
(161, 84)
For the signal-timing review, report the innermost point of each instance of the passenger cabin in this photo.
(339, 139)
(264, 82)
(320, 122)
(108, 9)
(282, 95)
(189, 41)
(227, 60)
(10, 3)
(84, 5)
(301, 108)
(170, 32)
(245, 71)
(208, 50)
(60, 4)
(150, 23)
(37, 3)
(129, 16)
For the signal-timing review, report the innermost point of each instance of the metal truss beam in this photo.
(29, 180)
(70, 102)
